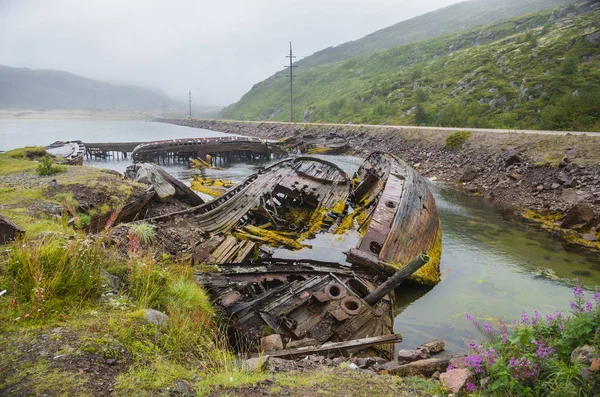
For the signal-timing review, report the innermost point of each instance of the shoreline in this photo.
(75, 114)
(544, 176)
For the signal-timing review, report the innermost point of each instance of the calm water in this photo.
(493, 265)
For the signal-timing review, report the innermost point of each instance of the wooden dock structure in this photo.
(219, 150)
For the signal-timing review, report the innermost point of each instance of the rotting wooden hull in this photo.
(71, 152)
(200, 147)
(403, 219)
(316, 144)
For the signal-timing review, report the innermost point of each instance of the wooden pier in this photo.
(218, 150)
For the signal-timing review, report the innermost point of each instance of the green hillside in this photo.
(451, 19)
(538, 71)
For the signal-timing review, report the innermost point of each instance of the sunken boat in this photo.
(287, 204)
(331, 143)
(68, 152)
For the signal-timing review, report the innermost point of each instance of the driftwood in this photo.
(127, 213)
(338, 347)
(391, 283)
(422, 367)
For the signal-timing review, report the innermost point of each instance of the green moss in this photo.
(456, 139)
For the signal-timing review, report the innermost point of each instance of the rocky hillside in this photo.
(54, 89)
(538, 71)
(451, 19)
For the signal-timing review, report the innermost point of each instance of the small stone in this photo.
(183, 388)
(578, 216)
(271, 343)
(255, 364)
(510, 157)
(584, 355)
(589, 237)
(456, 380)
(469, 174)
(417, 165)
(111, 361)
(407, 356)
(434, 346)
(540, 188)
(458, 362)
(516, 176)
(555, 186)
(156, 317)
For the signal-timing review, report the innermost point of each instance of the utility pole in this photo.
(291, 76)
(164, 107)
(94, 100)
(190, 101)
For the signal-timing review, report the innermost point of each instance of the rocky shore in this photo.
(553, 178)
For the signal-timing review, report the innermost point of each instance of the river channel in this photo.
(493, 265)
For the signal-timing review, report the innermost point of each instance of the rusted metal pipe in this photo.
(391, 283)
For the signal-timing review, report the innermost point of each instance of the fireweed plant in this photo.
(534, 359)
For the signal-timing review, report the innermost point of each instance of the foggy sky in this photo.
(218, 49)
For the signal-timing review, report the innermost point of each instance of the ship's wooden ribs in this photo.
(337, 346)
(391, 283)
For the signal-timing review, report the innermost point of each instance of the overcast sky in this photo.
(219, 49)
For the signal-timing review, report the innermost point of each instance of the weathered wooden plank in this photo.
(337, 346)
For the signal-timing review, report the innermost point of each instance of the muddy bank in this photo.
(548, 174)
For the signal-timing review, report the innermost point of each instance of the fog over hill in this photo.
(54, 89)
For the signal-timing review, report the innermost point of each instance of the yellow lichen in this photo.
(212, 187)
(319, 150)
(430, 273)
(274, 238)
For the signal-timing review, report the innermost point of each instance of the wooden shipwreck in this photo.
(70, 152)
(316, 144)
(287, 204)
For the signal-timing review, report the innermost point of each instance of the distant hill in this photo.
(454, 18)
(53, 89)
(537, 71)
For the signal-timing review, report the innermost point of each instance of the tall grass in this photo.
(52, 274)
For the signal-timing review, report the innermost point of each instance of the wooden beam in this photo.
(337, 346)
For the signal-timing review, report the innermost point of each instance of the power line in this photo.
(291, 76)
(190, 101)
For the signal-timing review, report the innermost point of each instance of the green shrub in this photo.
(144, 231)
(456, 139)
(46, 167)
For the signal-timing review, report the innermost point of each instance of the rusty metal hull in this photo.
(404, 220)
(299, 300)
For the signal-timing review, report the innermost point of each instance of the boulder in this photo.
(458, 362)
(569, 196)
(433, 347)
(182, 388)
(271, 343)
(456, 380)
(578, 215)
(469, 174)
(8, 230)
(255, 364)
(407, 356)
(150, 175)
(511, 157)
(564, 179)
(156, 317)
(585, 355)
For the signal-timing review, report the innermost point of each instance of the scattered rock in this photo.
(156, 317)
(111, 280)
(436, 375)
(571, 153)
(182, 388)
(407, 356)
(593, 38)
(589, 237)
(555, 185)
(8, 230)
(255, 364)
(458, 362)
(515, 175)
(271, 343)
(569, 196)
(456, 380)
(584, 355)
(578, 216)
(510, 157)
(433, 347)
(469, 174)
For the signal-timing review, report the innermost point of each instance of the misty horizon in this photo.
(218, 51)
